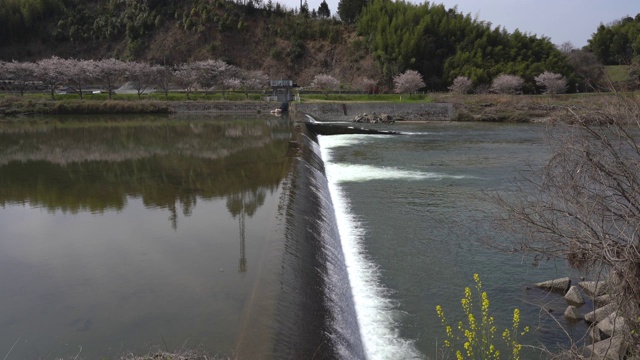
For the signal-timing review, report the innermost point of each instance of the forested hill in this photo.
(263, 36)
(379, 40)
(442, 44)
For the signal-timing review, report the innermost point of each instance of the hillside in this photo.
(275, 40)
(386, 39)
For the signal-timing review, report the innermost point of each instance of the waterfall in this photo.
(316, 317)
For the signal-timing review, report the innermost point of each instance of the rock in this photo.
(373, 118)
(572, 313)
(386, 119)
(599, 314)
(574, 296)
(612, 325)
(594, 334)
(559, 285)
(594, 288)
(602, 300)
(610, 349)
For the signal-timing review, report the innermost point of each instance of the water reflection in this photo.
(121, 235)
(241, 205)
(75, 167)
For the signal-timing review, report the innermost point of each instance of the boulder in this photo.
(594, 334)
(602, 300)
(610, 349)
(599, 314)
(573, 296)
(594, 288)
(374, 118)
(572, 313)
(560, 285)
(612, 325)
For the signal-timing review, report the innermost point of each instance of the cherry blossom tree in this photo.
(213, 72)
(507, 84)
(164, 76)
(253, 80)
(20, 73)
(78, 73)
(50, 72)
(551, 82)
(408, 82)
(366, 85)
(325, 83)
(186, 75)
(232, 83)
(109, 72)
(461, 85)
(140, 75)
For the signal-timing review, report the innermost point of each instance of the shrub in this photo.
(507, 84)
(551, 82)
(474, 338)
(461, 85)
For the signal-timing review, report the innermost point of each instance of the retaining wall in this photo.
(347, 111)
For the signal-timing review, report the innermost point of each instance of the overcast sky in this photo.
(560, 20)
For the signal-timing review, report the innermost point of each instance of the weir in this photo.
(315, 313)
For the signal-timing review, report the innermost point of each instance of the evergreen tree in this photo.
(323, 10)
(446, 44)
(618, 42)
(349, 10)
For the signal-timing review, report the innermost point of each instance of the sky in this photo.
(560, 20)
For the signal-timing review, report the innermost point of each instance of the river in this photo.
(129, 234)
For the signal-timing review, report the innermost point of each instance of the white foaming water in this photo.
(360, 173)
(377, 314)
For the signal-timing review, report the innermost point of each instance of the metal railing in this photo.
(283, 83)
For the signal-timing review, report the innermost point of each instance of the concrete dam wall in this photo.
(347, 111)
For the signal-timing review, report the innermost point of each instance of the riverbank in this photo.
(525, 108)
(26, 105)
(439, 107)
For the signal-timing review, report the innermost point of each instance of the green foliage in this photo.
(297, 50)
(617, 43)
(349, 10)
(475, 337)
(323, 10)
(275, 53)
(110, 20)
(20, 19)
(443, 44)
(617, 73)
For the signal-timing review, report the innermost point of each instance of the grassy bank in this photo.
(525, 108)
(28, 105)
(482, 107)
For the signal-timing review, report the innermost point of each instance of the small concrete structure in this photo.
(613, 324)
(599, 314)
(572, 313)
(573, 296)
(594, 288)
(610, 349)
(560, 285)
(282, 90)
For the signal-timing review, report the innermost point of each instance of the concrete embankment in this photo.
(222, 107)
(347, 111)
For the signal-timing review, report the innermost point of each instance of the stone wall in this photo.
(222, 107)
(347, 111)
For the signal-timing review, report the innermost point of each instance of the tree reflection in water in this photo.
(95, 167)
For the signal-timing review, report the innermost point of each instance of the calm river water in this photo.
(124, 234)
(128, 234)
